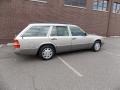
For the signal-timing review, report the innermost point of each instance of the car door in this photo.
(79, 38)
(60, 37)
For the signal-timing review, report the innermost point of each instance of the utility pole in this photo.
(109, 17)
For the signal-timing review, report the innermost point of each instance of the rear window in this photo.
(37, 31)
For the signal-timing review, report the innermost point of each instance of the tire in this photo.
(97, 46)
(47, 52)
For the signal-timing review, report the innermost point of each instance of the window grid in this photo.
(100, 5)
(80, 3)
(116, 7)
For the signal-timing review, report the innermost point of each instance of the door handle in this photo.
(54, 39)
(74, 38)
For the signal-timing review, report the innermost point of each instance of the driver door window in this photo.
(79, 40)
(75, 31)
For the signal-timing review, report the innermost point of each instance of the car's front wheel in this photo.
(97, 46)
(47, 52)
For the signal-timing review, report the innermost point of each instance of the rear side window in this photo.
(60, 31)
(37, 31)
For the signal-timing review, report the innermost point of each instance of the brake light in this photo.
(16, 44)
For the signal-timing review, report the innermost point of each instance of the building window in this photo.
(116, 7)
(80, 3)
(43, 1)
(100, 5)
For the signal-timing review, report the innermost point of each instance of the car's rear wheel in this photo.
(97, 46)
(47, 52)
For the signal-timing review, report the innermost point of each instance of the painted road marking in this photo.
(70, 67)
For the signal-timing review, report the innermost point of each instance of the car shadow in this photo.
(27, 58)
(74, 52)
(33, 58)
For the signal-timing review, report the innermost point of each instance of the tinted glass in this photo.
(75, 2)
(68, 2)
(60, 31)
(37, 31)
(76, 31)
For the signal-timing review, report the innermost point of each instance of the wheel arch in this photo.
(45, 45)
(98, 41)
(95, 41)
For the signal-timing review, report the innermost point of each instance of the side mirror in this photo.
(23, 36)
(85, 34)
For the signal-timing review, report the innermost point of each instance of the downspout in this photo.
(109, 17)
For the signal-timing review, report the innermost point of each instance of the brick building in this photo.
(94, 16)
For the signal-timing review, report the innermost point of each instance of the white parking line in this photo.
(70, 67)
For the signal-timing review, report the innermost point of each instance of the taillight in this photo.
(16, 44)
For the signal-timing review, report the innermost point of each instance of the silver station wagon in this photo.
(46, 40)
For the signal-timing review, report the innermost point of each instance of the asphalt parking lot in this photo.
(80, 70)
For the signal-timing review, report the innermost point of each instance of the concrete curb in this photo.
(10, 44)
(115, 36)
(0, 45)
(6, 45)
(104, 37)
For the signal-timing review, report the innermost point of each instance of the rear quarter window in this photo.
(37, 31)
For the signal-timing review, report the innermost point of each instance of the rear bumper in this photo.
(26, 51)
